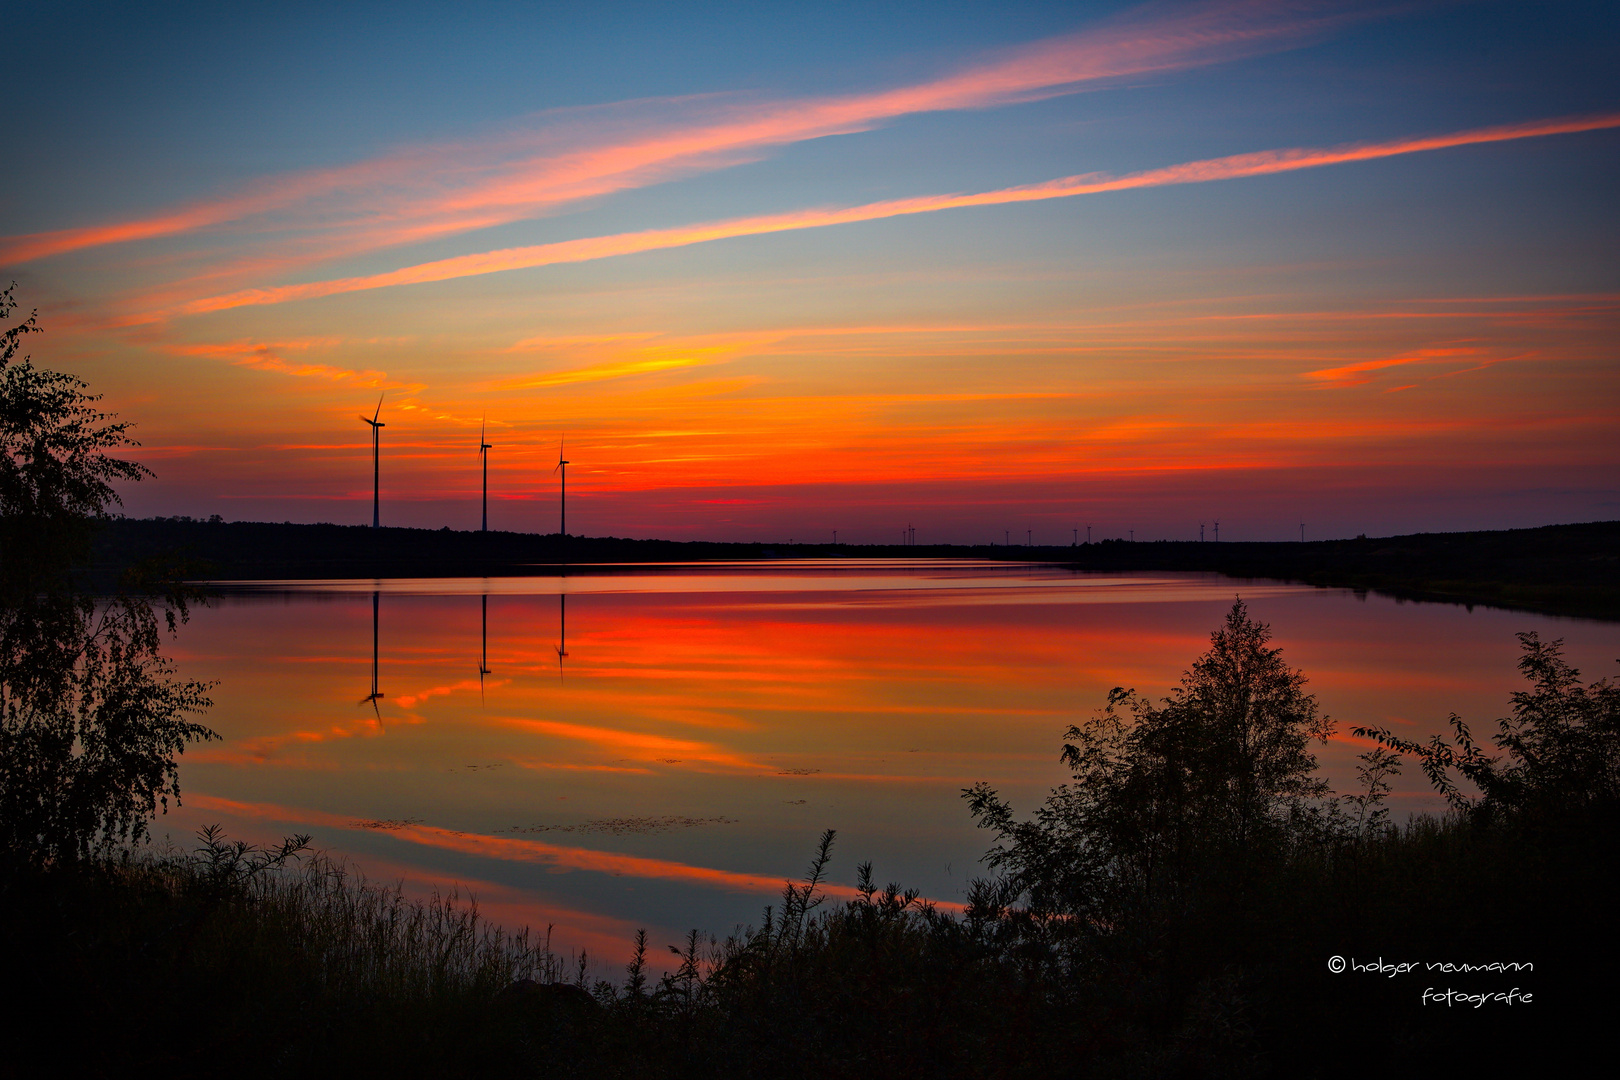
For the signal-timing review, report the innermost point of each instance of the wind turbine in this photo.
(483, 452)
(562, 466)
(376, 468)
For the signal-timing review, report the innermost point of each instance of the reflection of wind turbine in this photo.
(376, 468)
(562, 631)
(375, 693)
(483, 451)
(483, 644)
(562, 466)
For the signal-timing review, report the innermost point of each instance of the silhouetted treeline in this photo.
(1558, 569)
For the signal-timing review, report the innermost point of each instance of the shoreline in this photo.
(1563, 570)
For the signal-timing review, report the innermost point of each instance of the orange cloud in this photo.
(590, 248)
(642, 360)
(1359, 374)
(270, 356)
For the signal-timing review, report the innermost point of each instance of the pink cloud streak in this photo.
(428, 192)
(584, 249)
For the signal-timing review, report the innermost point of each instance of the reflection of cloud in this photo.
(585, 249)
(651, 747)
(566, 858)
(535, 851)
(623, 826)
(406, 701)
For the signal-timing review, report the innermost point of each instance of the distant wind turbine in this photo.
(483, 452)
(562, 466)
(376, 468)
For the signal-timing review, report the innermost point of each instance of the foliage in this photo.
(92, 716)
(1377, 766)
(1175, 800)
(1561, 746)
(253, 961)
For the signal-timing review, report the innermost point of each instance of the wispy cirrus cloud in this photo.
(274, 356)
(556, 158)
(1454, 359)
(1236, 166)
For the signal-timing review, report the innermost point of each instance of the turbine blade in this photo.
(379, 407)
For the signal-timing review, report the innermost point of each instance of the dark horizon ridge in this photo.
(1571, 570)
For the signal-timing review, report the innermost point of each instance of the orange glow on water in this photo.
(673, 767)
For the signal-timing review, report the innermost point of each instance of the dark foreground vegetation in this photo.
(1175, 910)
(1171, 912)
(1558, 569)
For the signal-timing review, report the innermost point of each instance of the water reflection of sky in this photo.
(661, 748)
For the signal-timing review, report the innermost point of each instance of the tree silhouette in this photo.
(1561, 746)
(1172, 800)
(92, 716)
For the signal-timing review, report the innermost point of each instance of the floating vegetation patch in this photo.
(386, 824)
(624, 825)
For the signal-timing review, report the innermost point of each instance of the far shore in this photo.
(1569, 570)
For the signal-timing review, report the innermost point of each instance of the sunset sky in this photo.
(782, 269)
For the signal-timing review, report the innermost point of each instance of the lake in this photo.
(661, 746)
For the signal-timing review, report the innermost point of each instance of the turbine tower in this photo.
(562, 466)
(483, 452)
(376, 468)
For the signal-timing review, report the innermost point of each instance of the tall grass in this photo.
(360, 939)
(233, 961)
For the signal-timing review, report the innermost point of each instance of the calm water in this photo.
(661, 748)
